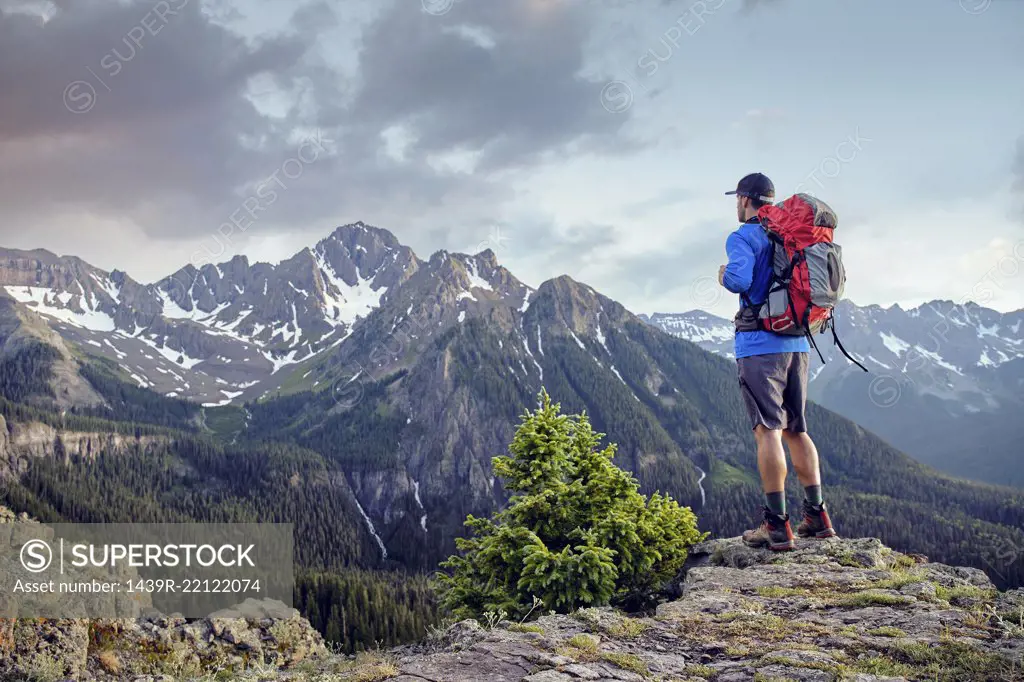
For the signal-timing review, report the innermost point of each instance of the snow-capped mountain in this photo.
(935, 371)
(709, 331)
(216, 333)
(237, 330)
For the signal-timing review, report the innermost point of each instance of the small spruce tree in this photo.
(577, 532)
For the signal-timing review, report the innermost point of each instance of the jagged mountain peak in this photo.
(566, 288)
(466, 275)
(488, 256)
(578, 307)
(219, 329)
(361, 233)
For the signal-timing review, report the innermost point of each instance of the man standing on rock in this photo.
(773, 380)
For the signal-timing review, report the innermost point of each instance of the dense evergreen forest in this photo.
(27, 373)
(182, 476)
(190, 479)
(359, 610)
(131, 403)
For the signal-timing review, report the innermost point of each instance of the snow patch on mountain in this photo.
(526, 300)
(345, 303)
(229, 396)
(121, 355)
(878, 362)
(600, 335)
(112, 290)
(178, 357)
(475, 280)
(46, 301)
(526, 345)
(280, 363)
(937, 359)
(894, 343)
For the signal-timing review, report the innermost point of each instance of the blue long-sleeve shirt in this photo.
(749, 272)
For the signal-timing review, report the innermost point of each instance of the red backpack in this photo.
(808, 277)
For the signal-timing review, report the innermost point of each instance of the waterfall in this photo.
(416, 492)
(373, 531)
(700, 483)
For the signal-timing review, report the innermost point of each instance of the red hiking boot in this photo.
(773, 533)
(816, 523)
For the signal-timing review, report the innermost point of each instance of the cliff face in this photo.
(34, 439)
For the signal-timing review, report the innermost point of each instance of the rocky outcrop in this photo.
(262, 635)
(834, 610)
(155, 647)
(850, 610)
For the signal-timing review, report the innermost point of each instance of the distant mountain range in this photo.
(946, 381)
(390, 382)
(220, 333)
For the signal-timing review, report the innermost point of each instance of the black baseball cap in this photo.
(755, 186)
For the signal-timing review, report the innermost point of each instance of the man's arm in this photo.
(739, 273)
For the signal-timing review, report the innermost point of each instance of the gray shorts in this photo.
(774, 390)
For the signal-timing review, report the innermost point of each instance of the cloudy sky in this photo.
(588, 137)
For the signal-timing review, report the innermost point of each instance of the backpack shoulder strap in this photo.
(839, 344)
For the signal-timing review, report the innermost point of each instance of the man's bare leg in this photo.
(816, 521)
(775, 532)
(804, 456)
(771, 462)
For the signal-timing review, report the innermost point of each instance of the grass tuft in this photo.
(628, 662)
(869, 598)
(628, 628)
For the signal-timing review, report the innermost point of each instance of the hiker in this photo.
(773, 379)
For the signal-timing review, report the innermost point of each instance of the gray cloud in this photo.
(670, 272)
(514, 94)
(133, 111)
(750, 5)
(141, 112)
(1018, 168)
(669, 197)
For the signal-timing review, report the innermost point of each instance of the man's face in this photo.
(741, 208)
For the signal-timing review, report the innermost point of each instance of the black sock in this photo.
(813, 494)
(776, 502)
